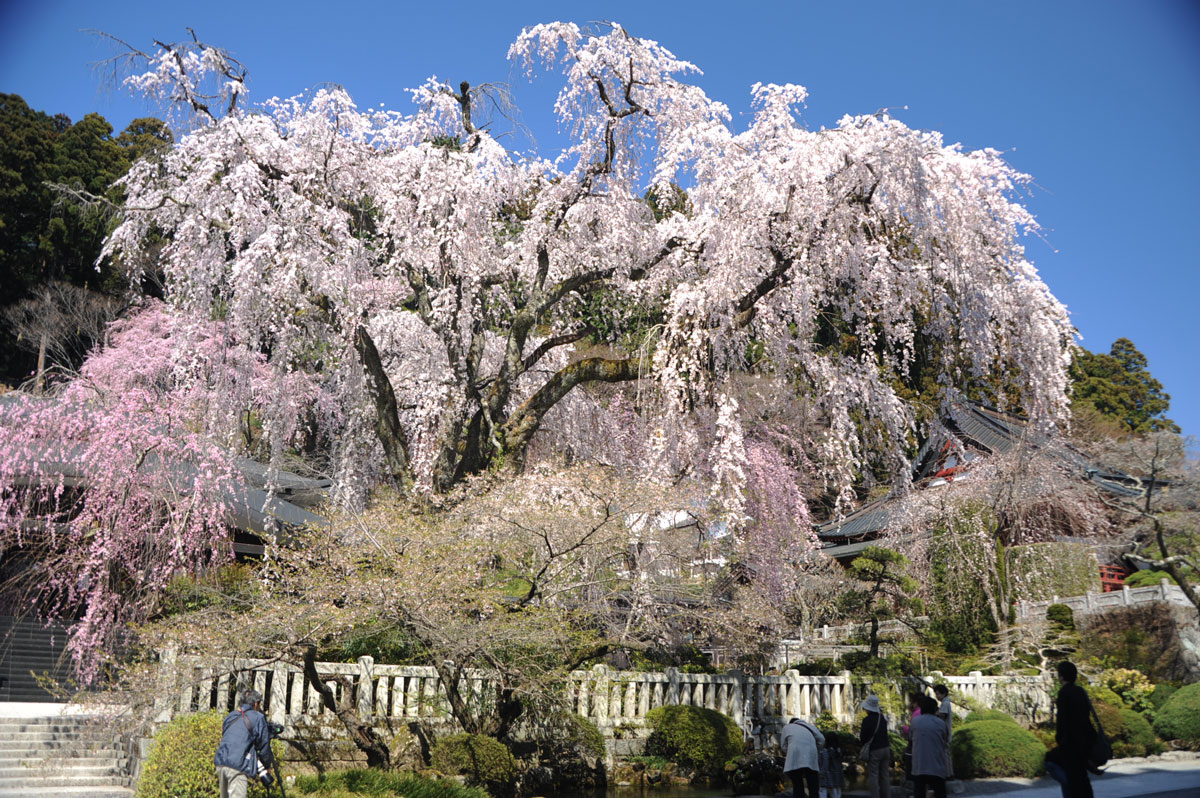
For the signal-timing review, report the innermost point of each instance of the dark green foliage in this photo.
(825, 666)
(571, 745)
(383, 642)
(42, 237)
(887, 590)
(1061, 615)
(1129, 732)
(1119, 389)
(180, 764)
(233, 586)
(890, 666)
(995, 748)
(898, 745)
(1152, 578)
(989, 714)
(693, 736)
(960, 615)
(1160, 695)
(485, 761)
(1179, 717)
(1138, 737)
(381, 784)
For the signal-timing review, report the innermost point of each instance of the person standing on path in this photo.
(801, 743)
(945, 711)
(931, 750)
(245, 749)
(1073, 734)
(874, 736)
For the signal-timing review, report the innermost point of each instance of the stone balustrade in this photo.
(616, 701)
(1099, 602)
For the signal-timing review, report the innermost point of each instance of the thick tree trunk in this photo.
(361, 732)
(387, 413)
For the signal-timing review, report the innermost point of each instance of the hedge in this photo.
(180, 764)
(693, 736)
(485, 761)
(988, 714)
(995, 748)
(1179, 717)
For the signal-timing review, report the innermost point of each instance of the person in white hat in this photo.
(874, 738)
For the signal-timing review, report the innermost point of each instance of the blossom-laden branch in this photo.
(837, 254)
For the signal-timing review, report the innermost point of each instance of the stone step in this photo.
(67, 792)
(22, 785)
(53, 770)
(112, 760)
(37, 736)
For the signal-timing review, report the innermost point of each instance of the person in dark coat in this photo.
(1073, 734)
(245, 749)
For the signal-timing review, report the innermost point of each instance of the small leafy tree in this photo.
(887, 590)
(1165, 512)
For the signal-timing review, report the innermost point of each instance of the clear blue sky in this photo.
(1098, 100)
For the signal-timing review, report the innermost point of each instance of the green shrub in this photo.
(180, 764)
(1160, 695)
(1138, 738)
(485, 761)
(1148, 578)
(1131, 685)
(1179, 718)
(988, 714)
(1061, 615)
(891, 666)
(898, 745)
(995, 748)
(381, 784)
(693, 736)
(1129, 731)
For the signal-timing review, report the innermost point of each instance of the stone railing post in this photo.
(366, 691)
(977, 676)
(1162, 588)
(1126, 595)
(166, 684)
(277, 709)
(845, 698)
(672, 686)
(794, 708)
(600, 695)
(737, 693)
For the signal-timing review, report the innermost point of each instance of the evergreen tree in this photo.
(1119, 389)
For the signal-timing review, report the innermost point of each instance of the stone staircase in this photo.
(28, 648)
(60, 756)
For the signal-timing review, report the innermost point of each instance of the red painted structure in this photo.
(1112, 577)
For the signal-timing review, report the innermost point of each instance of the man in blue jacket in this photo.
(245, 749)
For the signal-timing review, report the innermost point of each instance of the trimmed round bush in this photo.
(988, 714)
(1179, 718)
(1128, 730)
(180, 764)
(1138, 738)
(1061, 615)
(485, 761)
(693, 736)
(995, 748)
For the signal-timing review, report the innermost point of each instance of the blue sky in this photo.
(1099, 101)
